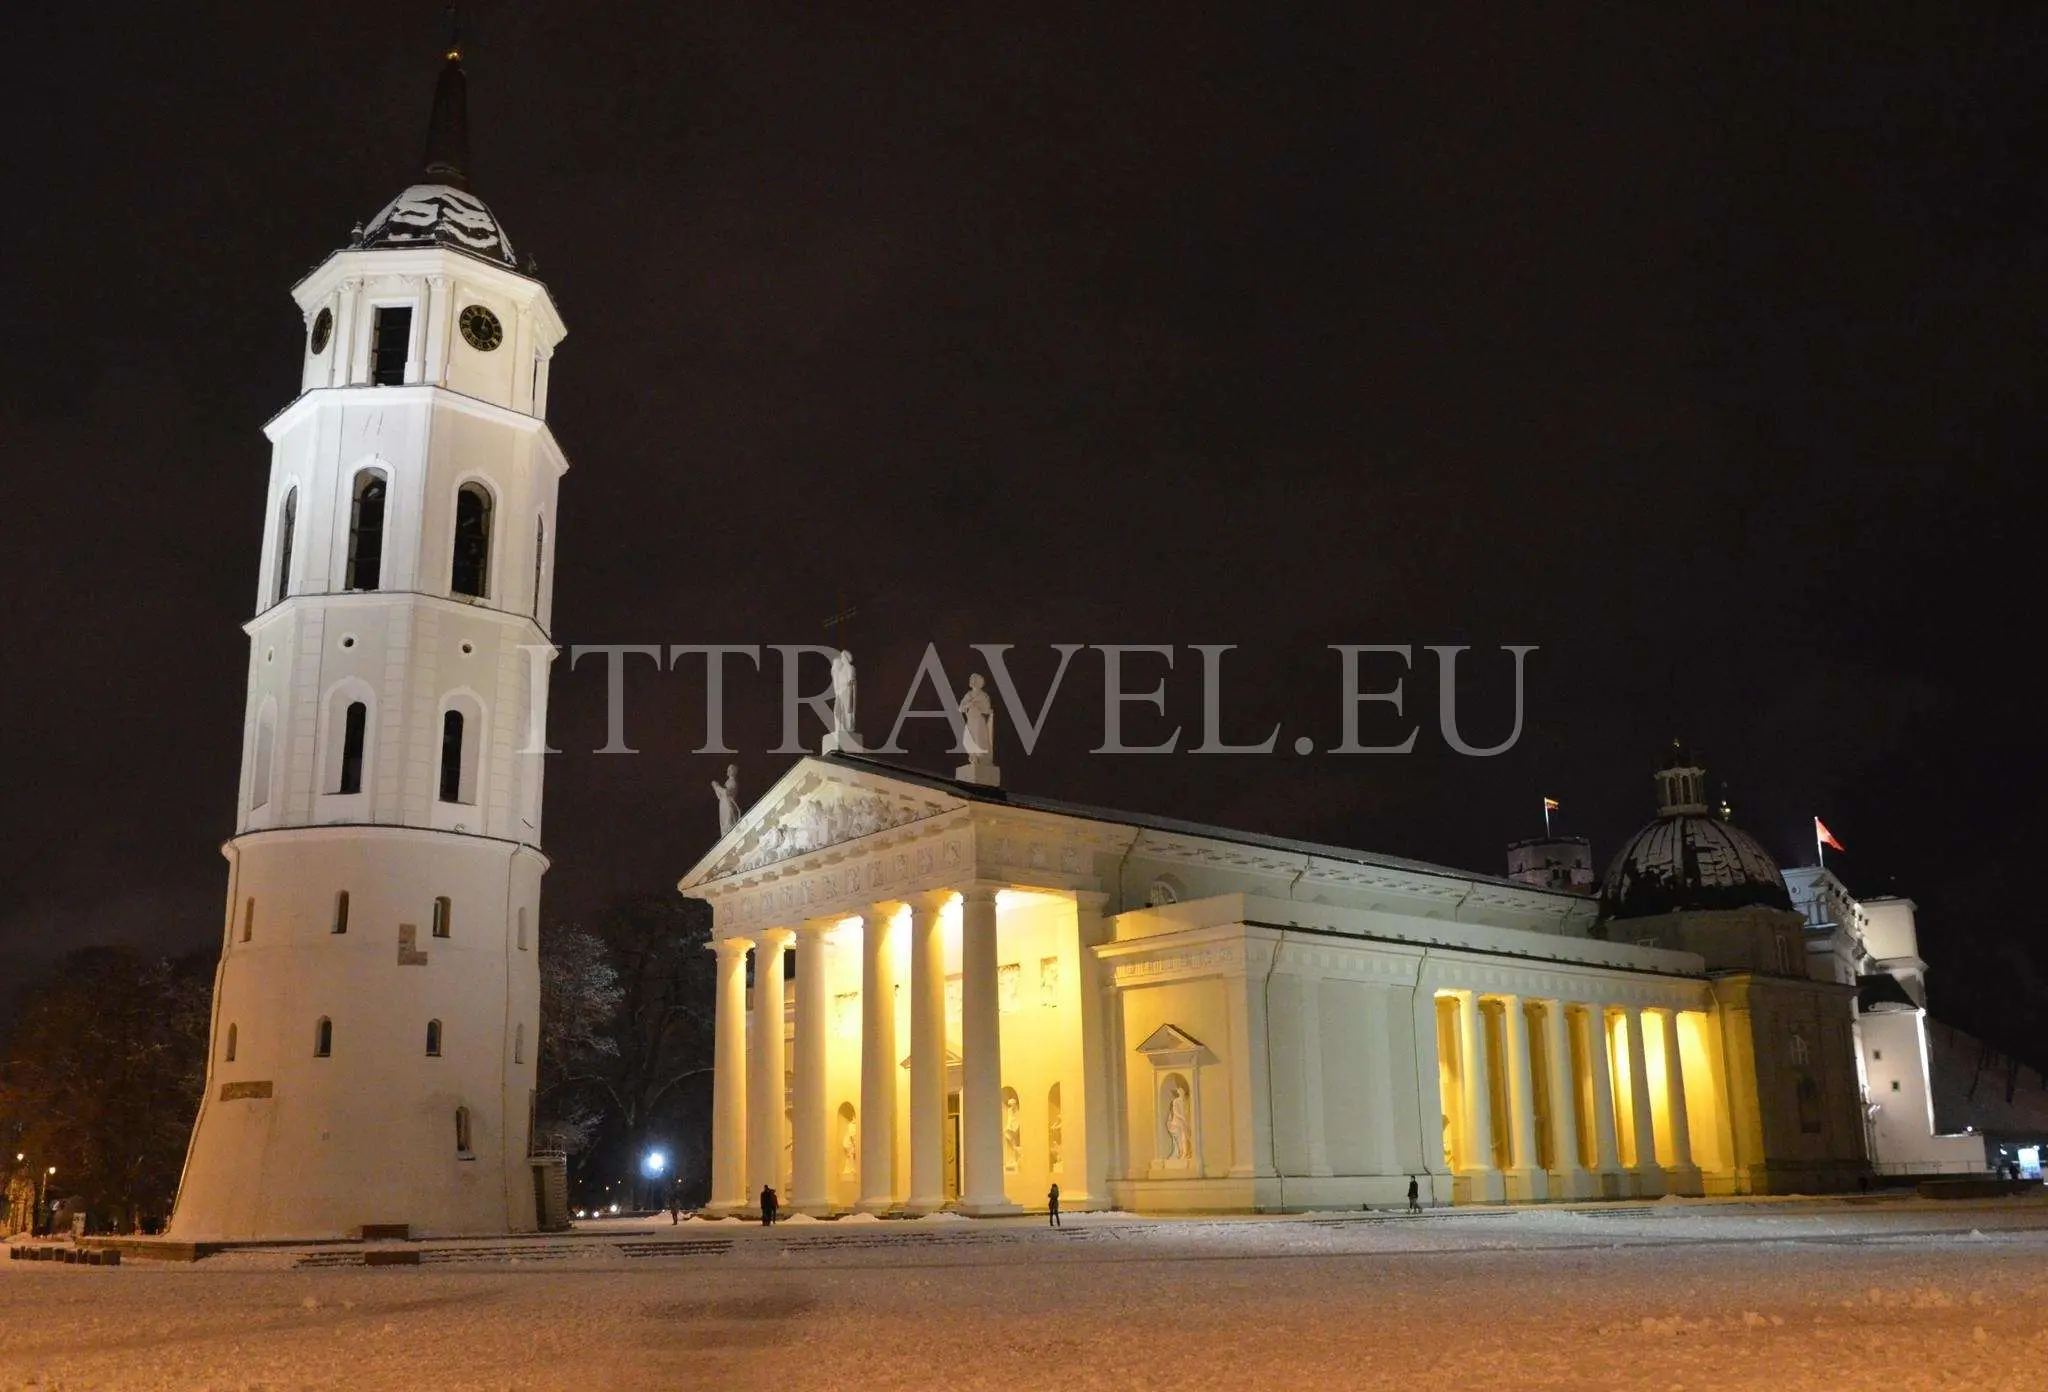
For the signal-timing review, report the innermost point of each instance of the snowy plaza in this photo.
(1888, 1293)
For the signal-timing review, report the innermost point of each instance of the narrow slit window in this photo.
(540, 552)
(443, 911)
(248, 919)
(471, 571)
(366, 529)
(341, 912)
(462, 1131)
(522, 930)
(519, 1045)
(433, 1039)
(287, 524)
(230, 1055)
(391, 343)
(355, 724)
(323, 1038)
(451, 756)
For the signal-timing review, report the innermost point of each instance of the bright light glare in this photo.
(656, 1162)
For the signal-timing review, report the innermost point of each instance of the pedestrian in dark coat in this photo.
(1052, 1206)
(769, 1203)
(1414, 1195)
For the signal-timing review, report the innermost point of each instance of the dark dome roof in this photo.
(441, 210)
(1690, 862)
(1687, 859)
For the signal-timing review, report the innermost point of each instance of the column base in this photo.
(1477, 1186)
(878, 1207)
(1574, 1183)
(817, 1208)
(1685, 1180)
(987, 1208)
(1646, 1181)
(918, 1208)
(1521, 1185)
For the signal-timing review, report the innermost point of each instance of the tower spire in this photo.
(448, 128)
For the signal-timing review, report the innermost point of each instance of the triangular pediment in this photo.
(814, 806)
(1169, 1039)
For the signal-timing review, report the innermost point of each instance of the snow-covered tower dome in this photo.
(376, 1013)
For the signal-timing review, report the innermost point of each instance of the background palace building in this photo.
(994, 993)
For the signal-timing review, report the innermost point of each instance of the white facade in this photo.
(376, 1012)
(994, 994)
(1874, 944)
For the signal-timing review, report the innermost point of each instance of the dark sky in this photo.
(1703, 351)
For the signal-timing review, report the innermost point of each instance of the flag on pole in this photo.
(1550, 804)
(1823, 837)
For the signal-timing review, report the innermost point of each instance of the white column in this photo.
(1473, 1075)
(1087, 1183)
(1642, 1125)
(981, 1057)
(1606, 1153)
(729, 1079)
(1521, 1098)
(1564, 1102)
(927, 1055)
(1685, 1176)
(812, 1178)
(878, 1061)
(1308, 990)
(765, 1069)
(1429, 1088)
(1379, 1081)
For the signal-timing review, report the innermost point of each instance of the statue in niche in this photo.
(845, 689)
(849, 1148)
(978, 723)
(728, 795)
(1013, 1132)
(1180, 1134)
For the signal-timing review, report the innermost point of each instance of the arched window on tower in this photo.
(323, 1038)
(540, 554)
(471, 572)
(355, 725)
(451, 756)
(287, 523)
(366, 529)
(433, 1039)
(444, 913)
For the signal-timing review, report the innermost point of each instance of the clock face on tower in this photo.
(481, 329)
(323, 327)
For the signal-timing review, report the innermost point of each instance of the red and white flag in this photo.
(1822, 836)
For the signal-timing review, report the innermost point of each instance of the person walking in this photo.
(768, 1205)
(1414, 1195)
(1052, 1206)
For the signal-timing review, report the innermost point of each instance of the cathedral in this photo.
(995, 993)
(376, 1012)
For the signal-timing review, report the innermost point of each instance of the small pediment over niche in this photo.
(1171, 1039)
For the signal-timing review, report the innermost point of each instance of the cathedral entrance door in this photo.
(951, 1135)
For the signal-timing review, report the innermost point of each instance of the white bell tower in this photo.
(376, 1013)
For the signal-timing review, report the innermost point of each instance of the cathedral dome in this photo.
(441, 211)
(1689, 858)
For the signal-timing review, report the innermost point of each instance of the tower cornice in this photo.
(416, 394)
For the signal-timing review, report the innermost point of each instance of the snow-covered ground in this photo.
(1672, 1295)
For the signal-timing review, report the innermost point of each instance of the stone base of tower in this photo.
(366, 1072)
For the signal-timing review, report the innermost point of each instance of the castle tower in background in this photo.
(376, 1012)
(1554, 862)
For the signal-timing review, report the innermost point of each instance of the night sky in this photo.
(1703, 351)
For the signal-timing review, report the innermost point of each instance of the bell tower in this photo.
(376, 1011)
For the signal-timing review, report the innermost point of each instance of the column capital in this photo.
(882, 909)
(930, 901)
(979, 891)
(775, 937)
(731, 947)
(818, 927)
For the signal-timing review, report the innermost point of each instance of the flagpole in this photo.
(1820, 854)
(1546, 817)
